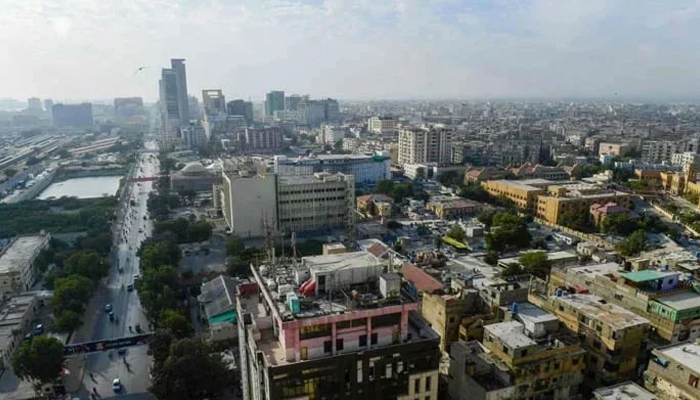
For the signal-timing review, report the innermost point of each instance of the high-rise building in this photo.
(242, 108)
(178, 66)
(128, 108)
(169, 107)
(214, 102)
(274, 101)
(48, 105)
(365, 168)
(354, 335)
(266, 138)
(383, 125)
(293, 102)
(421, 145)
(77, 115)
(34, 105)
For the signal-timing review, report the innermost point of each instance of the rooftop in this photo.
(532, 313)
(597, 308)
(647, 275)
(682, 301)
(218, 295)
(687, 354)
(511, 333)
(526, 184)
(623, 391)
(20, 252)
(318, 177)
(593, 270)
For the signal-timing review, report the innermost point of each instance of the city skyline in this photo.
(439, 49)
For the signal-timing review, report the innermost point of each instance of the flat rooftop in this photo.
(20, 252)
(623, 391)
(593, 270)
(511, 333)
(597, 308)
(687, 354)
(681, 301)
(647, 275)
(532, 313)
(337, 262)
(553, 256)
(527, 184)
(309, 179)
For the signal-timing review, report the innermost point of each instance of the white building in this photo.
(247, 202)
(365, 168)
(382, 125)
(421, 145)
(332, 134)
(685, 158)
(17, 270)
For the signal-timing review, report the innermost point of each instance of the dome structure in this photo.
(193, 169)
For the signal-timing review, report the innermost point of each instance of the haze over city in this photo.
(90, 49)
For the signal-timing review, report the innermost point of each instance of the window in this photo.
(416, 386)
(363, 340)
(339, 344)
(374, 338)
(505, 349)
(693, 381)
(452, 320)
(427, 383)
(327, 346)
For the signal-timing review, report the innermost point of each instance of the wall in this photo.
(252, 200)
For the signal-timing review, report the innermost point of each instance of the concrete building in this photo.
(242, 108)
(217, 303)
(316, 202)
(601, 211)
(16, 316)
(623, 391)
(215, 116)
(537, 171)
(248, 202)
(523, 193)
(195, 135)
(263, 139)
(274, 101)
(613, 336)
(332, 134)
(72, 115)
(659, 296)
(526, 357)
(484, 174)
(334, 327)
(129, 110)
(656, 151)
(453, 207)
(378, 205)
(383, 125)
(17, 270)
(421, 145)
(34, 105)
(365, 168)
(193, 177)
(684, 158)
(178, 67)
(613, 149)
(575, 198)
(674, 372)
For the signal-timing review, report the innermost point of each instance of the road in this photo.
(131, 230)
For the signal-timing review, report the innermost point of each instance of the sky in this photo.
(353, 49)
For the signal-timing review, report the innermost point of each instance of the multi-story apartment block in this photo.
(299, 204)
(333, 327)
(383, 125)
(421, 145)
(613, 149)
(674, 372)
(614, 337)
(267, 138)
(671, 305)
(526, 357)
(365, 168)
(684, 158)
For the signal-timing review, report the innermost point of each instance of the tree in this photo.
(67, 321)
(491, 258)
(158, 253)
(456, 233)
(71, 293)
(87, 263)
(384, 186)
(509, 230)
(234, 245)
(39, 361)
(486, 216)
(9, 172)
(438, 243)
(32, 160)
(512, 269)
(176, 323)
(200, 231)
(633, 244)
(158, 290)
(574, 220)
(474, 191)
(159, 345)
(191, 371)
(450, 178)
(536, 263)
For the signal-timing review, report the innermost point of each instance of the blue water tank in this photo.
(514, 308)
(697, 254)
(293, 303)
(559, 292)
(666, 267)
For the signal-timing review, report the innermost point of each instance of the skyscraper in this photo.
(274, 101)
(48, 105)
(34, 104)
(77, 115)
(241, 107)
(419, 145)
(214, 102)
(178, 65)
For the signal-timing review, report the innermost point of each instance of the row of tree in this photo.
(186, 231)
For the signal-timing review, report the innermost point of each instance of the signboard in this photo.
(102, 345)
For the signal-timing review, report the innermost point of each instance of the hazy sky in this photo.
(353, 49)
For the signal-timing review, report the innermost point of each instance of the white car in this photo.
(116, 385)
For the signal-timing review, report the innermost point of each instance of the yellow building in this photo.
(575, 198)
(444, 312)
(524, 193)
(613, 336)
(452, 207)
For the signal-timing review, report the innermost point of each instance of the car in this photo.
(38, 330)
(108, 308)
(137, 277)
(111, 315)
(121, 269)
(138, 328)
(116, 385)
(130, 287)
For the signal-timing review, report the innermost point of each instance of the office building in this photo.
(294, 102)
(263, 139)
(274, 101)
(421, 145)
(34, 105)
(674, 372)
(383, 125)
(16, 316)
(48, 105)
(365, 168)
(248, 203)
(178, 66)
(524, 193)
(332, 134)
(312, 112)
(526, 357)
(242, 108)
(613, 336)
(174, 102)
(17, 270)
(73, 115)
(334, 327)
(214, 112)
(315, 203)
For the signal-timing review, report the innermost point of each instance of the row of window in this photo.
(312, 200)
(290, 192)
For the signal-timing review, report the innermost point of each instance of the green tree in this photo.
(536, 263)
(67, 321)
(9, 172)
(438, 243)
(39, 361)
(619, 224)
(157, 253)
(176, 323)
(633, 244)
(72, 293)
(200, 231)
(456, 233)
(474, 191)
(491, 258)
(422, 230)
(384, 187)
(87, 263)
(159, 345)
(575, 220)
(450, 178)
(508, 231)
(191, 371)
(159, 290)
(512, 269)
(234, 245)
